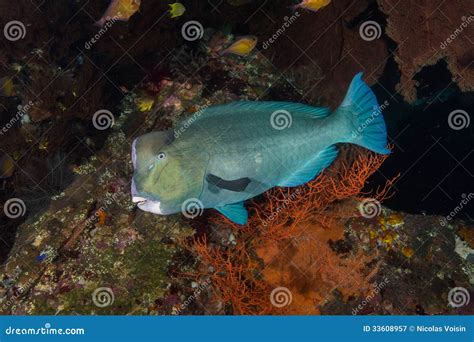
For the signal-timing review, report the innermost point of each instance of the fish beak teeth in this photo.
(138, 199)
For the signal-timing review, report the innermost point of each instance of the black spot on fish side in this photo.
(237, 185)
(212, 188)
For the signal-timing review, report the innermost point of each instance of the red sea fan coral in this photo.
(290, 228)
(232, 273)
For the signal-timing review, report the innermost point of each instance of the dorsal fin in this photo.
(267, 107)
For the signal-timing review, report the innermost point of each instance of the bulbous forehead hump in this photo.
(150, 144)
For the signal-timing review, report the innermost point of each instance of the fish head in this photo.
(165, 174)
(150, 157)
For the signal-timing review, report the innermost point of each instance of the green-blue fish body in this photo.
(230, 153)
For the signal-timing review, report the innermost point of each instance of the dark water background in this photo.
(436, 163)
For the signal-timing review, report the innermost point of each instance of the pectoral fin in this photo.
(235, 212)
(237, 185)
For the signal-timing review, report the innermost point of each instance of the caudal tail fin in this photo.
(361, 109)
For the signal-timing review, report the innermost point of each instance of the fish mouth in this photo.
(148, 205)
(139, 200)
(145, 204)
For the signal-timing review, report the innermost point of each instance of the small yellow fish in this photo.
(16, 67)
(6, 87)
(43, 145)
(313, 5)
(6, 166)
(144, 103)
(119, 10)
(62, 107)
(242, 47)
(177, 9)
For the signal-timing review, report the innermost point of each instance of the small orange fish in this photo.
(242, 47)
(102, 217)
(6, 166)
(313, 5)
(120, 10)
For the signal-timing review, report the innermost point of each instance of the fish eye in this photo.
(161, 156)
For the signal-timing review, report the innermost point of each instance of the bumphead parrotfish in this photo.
(229, 153)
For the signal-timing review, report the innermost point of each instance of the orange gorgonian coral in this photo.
(240, 272)
(233, 275)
